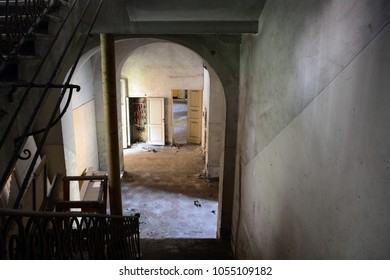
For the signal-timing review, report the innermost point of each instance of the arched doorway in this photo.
(158, 70)
(126, 48)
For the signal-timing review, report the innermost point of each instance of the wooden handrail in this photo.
(95, 206)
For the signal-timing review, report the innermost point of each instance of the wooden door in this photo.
(194, 116)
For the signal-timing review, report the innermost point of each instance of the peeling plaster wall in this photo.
(155, 69)
(314, 154)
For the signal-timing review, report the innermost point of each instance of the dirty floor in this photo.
(180, 121)
(165, 185)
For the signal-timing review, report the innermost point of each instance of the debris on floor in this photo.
(201, 175)
(172, 201)
(199, 150)
(197, 203)
(127, 177)
(175, 146)
(149, 149)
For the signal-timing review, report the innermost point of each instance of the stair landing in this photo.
(185, 249)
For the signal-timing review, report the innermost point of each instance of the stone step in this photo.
(185, 249)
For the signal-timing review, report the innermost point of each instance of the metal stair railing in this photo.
(21, 103)
(53, 118)
(51, 235)
(56, 236)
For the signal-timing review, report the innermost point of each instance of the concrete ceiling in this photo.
(179, 16)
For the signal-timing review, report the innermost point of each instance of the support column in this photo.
(111, 122)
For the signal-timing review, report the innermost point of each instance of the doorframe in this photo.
(125, 114)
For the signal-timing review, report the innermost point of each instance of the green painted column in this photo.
(111, 122)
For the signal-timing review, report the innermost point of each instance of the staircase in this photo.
(39, 37)
(32, 41)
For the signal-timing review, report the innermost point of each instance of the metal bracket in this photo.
(27, 153)
(14, 86)
(33, 85)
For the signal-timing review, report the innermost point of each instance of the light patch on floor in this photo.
(166, 186)
(171, 215)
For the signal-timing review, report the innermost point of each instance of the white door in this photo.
(156, 132)
(194, 116)
(128, 125)
(124, 113)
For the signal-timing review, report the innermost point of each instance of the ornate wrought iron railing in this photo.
(40, 97)
(44, 235)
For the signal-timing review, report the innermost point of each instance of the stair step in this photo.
(53, 17)
(28, 57)
(28, 67)
(42, 26)
(7, 86)
(27, 48)
(10, 72)
(42, 35)
(185, 249)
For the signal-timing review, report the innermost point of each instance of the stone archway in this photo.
(219, 53)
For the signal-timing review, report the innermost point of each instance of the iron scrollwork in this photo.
(47, 235)
(27, 155)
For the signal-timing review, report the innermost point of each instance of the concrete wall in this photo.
(154, 70)
(314, 140)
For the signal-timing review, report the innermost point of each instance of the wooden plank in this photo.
(84, 184)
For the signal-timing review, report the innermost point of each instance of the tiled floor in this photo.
(165, 185)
